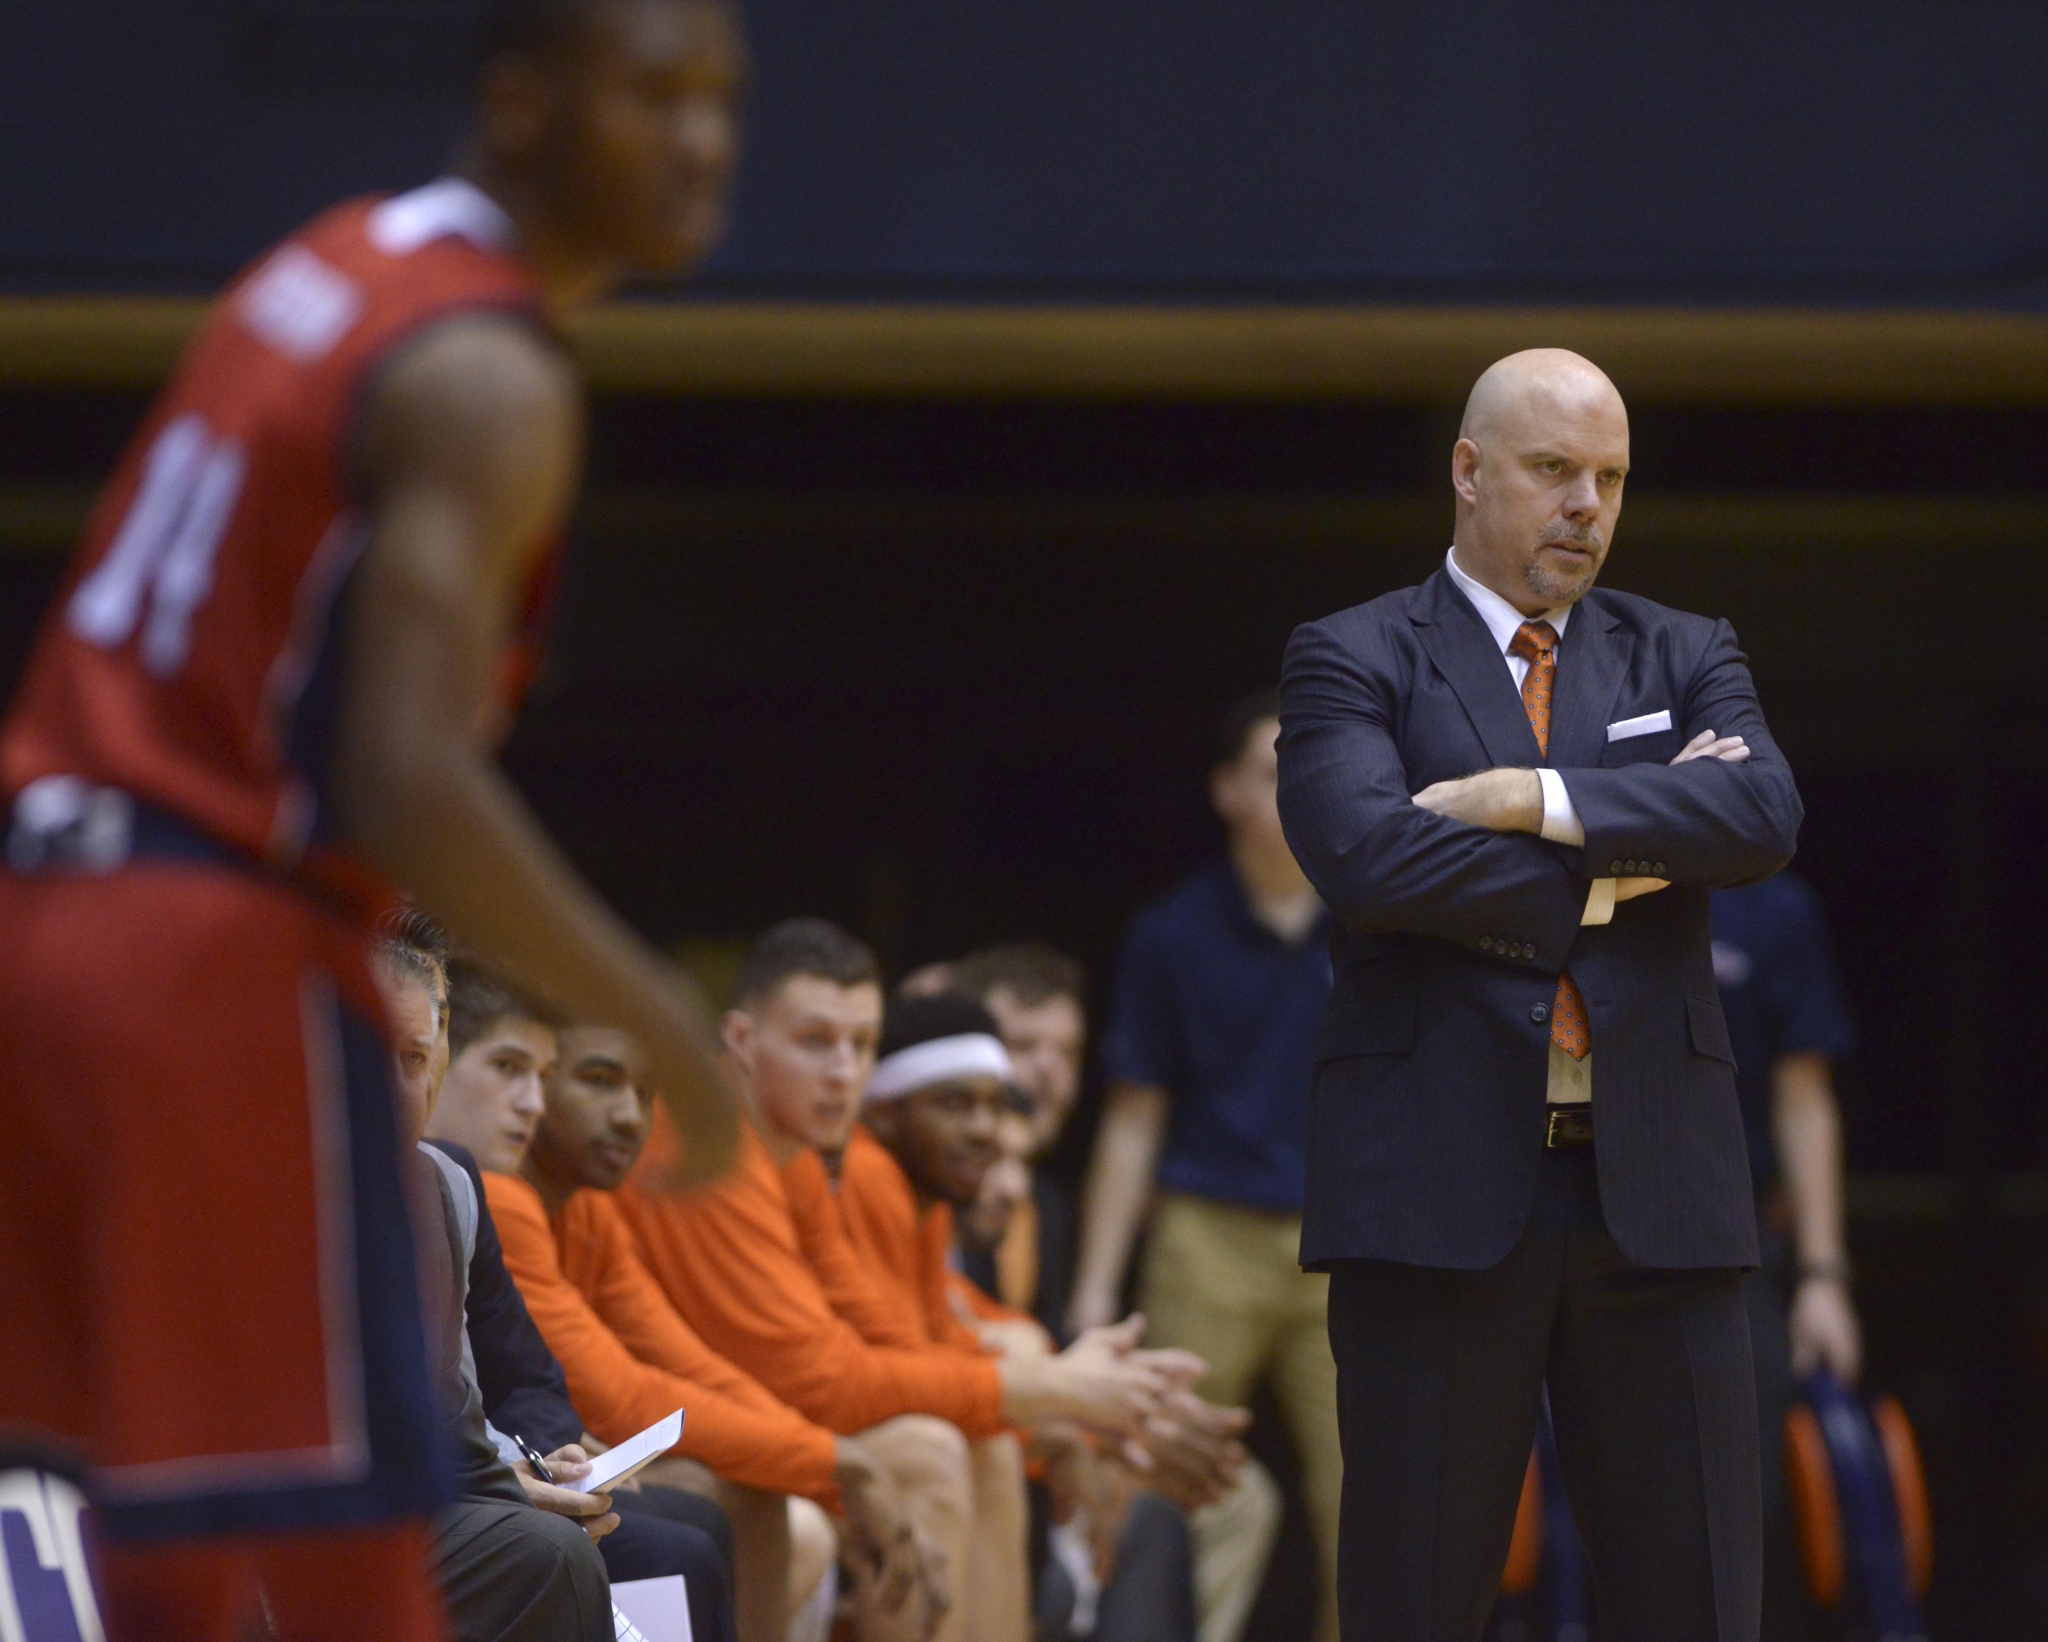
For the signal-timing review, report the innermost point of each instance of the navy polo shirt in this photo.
(1780, 992)
(1222, 1014)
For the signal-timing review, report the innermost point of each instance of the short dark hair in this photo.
(1030, 971)
(412, 950)
(911, 1021)
(528, 26)
(480, 995)
(1240, 718)
(400, 963)
(407, 926)
(535, 27)
(802, 946)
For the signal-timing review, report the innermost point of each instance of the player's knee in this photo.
(924, 1451)
(998, 1468)
(813, 1547)
(998, 1457)
(751, 1509)
(548, 1580)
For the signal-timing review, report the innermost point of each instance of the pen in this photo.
(540, 1466)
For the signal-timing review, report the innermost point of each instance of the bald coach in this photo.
(1516, 789)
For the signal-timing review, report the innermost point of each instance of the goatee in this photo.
(1557, 587)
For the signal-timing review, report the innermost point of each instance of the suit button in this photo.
(1539, 1012)
(1614, 867)
(1486, 943)
(1527, 952)
(1658, 870)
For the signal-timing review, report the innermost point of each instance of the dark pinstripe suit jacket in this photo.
(1427, 1107)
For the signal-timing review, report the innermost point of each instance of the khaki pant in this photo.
(1226, 1283)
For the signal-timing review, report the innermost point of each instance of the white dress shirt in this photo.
(1570, 1081)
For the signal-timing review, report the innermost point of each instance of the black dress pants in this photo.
(1440, 1377)
(511, 1572)
(665, 1531)
(1150, 1593)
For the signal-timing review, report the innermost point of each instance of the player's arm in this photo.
(469, 451)
(1807, 1126)
(1127, 1146)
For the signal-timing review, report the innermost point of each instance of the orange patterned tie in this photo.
(1536, 643)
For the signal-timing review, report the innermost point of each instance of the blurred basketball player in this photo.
(302, 610)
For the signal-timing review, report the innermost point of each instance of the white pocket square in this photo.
(1649, 724)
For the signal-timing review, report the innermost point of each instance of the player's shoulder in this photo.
(447, 234)
(1774, 928)
(484, 364)
(594, 1221)
(475, 393)
(1782, 901)
(361, 286)
(513, 1201)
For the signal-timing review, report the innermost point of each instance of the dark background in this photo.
(947, 670)
(1802, 149)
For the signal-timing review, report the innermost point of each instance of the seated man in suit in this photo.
(1789, 1023)
(661, 1531)
(1038, 996)
(1526, 1160)
(628, 1360)
(509, 1570)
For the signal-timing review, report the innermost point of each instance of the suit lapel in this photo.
(1592, 660)
(1464, 652)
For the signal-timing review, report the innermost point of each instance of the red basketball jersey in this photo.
(189, 659)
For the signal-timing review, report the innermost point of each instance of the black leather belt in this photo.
(1570, 1125)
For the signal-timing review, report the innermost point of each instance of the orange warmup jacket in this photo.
(631, 1360)
(857, 1294)
(906, 1250)
(733, 1263)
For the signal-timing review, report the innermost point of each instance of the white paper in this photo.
(658, 1608)
(614, 1464)
(1648, 724)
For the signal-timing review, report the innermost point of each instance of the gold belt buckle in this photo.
(1569, 1126)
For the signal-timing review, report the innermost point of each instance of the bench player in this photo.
(265, 694)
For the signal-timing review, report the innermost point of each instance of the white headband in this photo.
(940, 1060)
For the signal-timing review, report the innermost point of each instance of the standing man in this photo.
(1789, 1024)
(1212, 1031)
(266, 695)
(1527, 1160)
(1039, 998)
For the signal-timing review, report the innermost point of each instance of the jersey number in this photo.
(163, 554)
